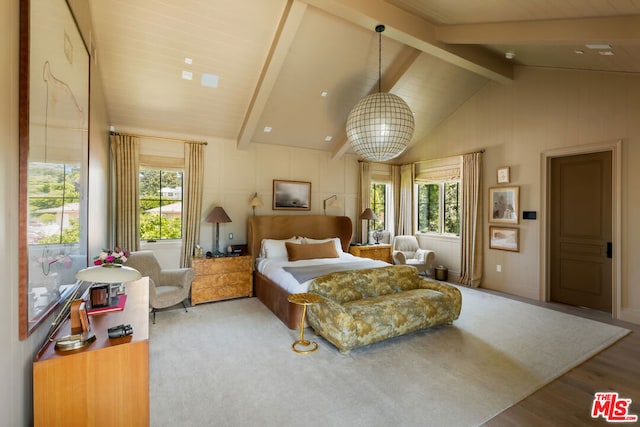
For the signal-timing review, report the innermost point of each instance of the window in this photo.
(378, 205)
(54, 201)
(160, 204)
(439, 207)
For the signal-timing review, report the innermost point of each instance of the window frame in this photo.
(161, 170)
(385, 204)
(441, 207)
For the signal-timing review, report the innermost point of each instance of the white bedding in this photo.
(272, 268)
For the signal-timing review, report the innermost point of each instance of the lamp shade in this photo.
(368, 214)
(108, 273)
(218, 215)
(380, 126)
(256, 201)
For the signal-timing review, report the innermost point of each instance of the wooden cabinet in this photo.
(380, 252)
(103, 384)
(221, 278)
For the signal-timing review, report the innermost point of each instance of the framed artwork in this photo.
(291, 195)
(54, 149)
(504, 238)
(504, 204)
(504, 175)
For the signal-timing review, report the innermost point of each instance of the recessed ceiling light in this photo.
(187, 75)
(328, 138)
(323, 93)
(606, 53)
(598, 46)
(188, 61)
(578, 52)
(510, 55)
(267, 129)
(209, 80)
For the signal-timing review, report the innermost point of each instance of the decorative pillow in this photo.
(311, 251)
(336, 240)
(272, 248)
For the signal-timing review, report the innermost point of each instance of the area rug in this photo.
(230, 364)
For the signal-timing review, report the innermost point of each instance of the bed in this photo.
(282, 227)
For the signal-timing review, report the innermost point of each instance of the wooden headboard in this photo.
(284, 226)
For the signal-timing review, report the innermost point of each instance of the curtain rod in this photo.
(159, 138)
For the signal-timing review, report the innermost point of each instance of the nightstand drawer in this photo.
(221, 278)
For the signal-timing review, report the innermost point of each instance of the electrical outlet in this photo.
(499, 268)
(230, 236)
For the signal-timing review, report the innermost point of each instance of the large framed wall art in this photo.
(291, 195)
(54, 147)
(504, 204)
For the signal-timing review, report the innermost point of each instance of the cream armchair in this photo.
(406, 251)
(166, 287)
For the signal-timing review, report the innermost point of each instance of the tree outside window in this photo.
(54, 203)
(378, 205)
(439, 208)
(160, 204)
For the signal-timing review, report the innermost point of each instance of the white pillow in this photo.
(272, 248)
(336, 240)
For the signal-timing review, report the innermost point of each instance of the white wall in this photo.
(232, 177)
(544, 110)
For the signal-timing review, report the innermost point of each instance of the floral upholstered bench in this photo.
(361, 307)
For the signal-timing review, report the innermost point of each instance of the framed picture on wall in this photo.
(504, 175)
(291, 195)
(504, 204)
(504, 238)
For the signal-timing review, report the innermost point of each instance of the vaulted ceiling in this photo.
(297, 67)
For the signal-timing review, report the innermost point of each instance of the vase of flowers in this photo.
(111, 258)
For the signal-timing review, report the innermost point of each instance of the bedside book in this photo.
(117, 304)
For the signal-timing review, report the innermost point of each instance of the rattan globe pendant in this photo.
(380, 125)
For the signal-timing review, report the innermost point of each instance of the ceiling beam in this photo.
(418, 33)
(618, 30)
(282, 41)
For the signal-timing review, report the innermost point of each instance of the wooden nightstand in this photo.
(221, 278)
(380, 252)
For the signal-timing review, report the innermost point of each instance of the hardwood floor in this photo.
(568, 400)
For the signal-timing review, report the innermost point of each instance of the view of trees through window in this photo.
(439, 208)
(160, 204)
(54, 203)
(378, 205)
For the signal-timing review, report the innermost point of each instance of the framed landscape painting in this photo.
(504, 204)
(291, 195)
(504, 238)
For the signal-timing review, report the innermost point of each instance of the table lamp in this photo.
(368, 214)
(217, 216)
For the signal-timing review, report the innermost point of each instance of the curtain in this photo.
(405, 210)
(126, 157)
(395, 185)
(364, 201)
(191, 199)
(471, 221)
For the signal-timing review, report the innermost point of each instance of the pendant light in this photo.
(381, 125)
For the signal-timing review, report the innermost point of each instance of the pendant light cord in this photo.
(379, 30)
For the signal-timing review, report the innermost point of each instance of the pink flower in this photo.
(110, 259)
(97, 262)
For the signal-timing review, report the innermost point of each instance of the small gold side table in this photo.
(304, 300)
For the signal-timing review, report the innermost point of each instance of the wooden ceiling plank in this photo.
(418, 33)
(616, 30)
(285, 35)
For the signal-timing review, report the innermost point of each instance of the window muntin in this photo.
(160, 204)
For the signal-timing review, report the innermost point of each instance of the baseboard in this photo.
(631, 315)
